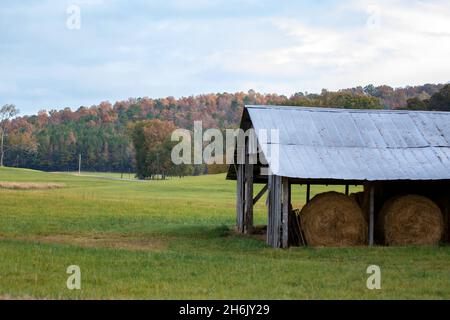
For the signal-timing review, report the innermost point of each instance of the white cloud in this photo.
(181, 48)
(410, 46)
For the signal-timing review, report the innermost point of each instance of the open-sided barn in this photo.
(388, 152)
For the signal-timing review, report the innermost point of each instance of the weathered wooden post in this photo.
(274, 212)
(240, 188)
(269, 203)
(286, 191)
(240, 198)
(248, 192)
(308, 192)
(244, 189)
(369, 210)
(278, 212)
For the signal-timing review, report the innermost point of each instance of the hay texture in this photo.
(411, 220)
(333, 219)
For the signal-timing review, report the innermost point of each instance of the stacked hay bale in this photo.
(410, 220)
(333, 219)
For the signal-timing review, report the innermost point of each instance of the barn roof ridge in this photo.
(341, 109)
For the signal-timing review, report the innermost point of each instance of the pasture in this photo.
(174, 239)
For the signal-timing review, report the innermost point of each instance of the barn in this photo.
(387, 152)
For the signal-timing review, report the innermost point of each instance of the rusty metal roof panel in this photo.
(345, 144)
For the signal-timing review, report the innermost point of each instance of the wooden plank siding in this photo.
(269, 235)
(286, 193)
(248, 199)
(240, 198)
(274, 212)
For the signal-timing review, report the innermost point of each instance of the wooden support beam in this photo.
(371, 215)
(274, 212)
(248, 192)
(308, 192)
(346, 189)
(240, 189)
(286, 194)
(277, 212)
(240, 198)
(269, 210)
(248, 202)
(368, 207)
(260, 194)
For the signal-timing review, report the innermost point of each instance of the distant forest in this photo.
(103, 133)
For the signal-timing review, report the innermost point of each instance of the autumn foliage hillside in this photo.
(52, 140)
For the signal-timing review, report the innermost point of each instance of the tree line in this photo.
(440, 101)
(132, 135)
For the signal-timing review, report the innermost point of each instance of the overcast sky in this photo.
(118, 49)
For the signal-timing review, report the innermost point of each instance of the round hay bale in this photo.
(411, 220)
(333, 219)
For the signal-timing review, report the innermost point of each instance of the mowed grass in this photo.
(174, 239)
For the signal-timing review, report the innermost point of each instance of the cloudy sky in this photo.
(56, 54)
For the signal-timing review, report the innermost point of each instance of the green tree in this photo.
(417, 104)
(440, 101)
(7, 112)
(151, 139)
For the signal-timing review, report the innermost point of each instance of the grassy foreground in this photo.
(174, 239)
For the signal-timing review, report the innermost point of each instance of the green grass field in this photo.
(174, 239)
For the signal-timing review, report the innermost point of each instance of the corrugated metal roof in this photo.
(344, 144)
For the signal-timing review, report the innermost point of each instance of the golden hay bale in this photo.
(335, 220)
(411, 220)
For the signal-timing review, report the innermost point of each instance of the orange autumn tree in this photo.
(151, 139)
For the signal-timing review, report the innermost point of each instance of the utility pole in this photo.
(79, 163)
